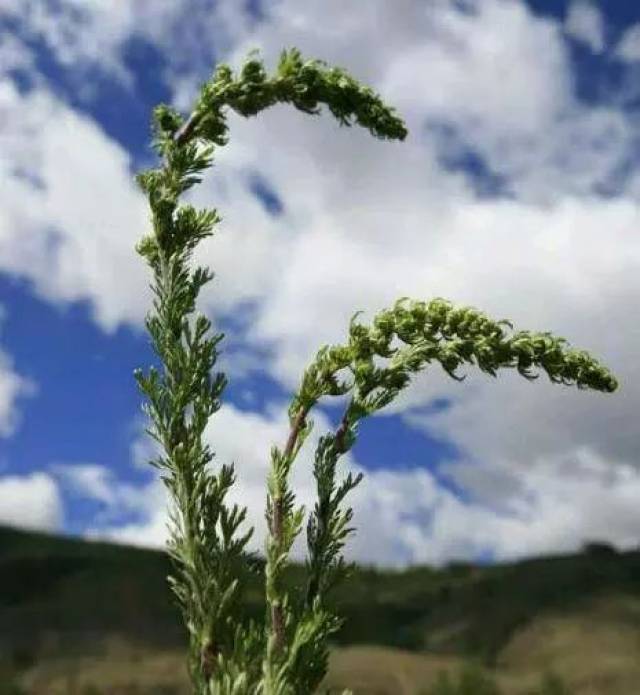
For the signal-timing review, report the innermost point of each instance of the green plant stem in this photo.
(185, 132)
(277, 615)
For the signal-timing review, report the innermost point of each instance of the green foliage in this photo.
(552, 684)
(443, 686)
(384, 607)
(472, 680)
(9, 679)
(91, 690)
(49, 580)
(288, 654)
(11, 688)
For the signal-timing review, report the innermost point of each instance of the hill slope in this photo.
(67, 596)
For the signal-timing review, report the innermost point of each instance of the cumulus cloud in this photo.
(13, 386)
(97, 482)
(628, 48)
(549, 507)
(501, 82)
(14, 55)
(364, 223)
(585, 24)
(390, 505)
(82, 36)
(91, 480)
(70, 209)
(31, 501)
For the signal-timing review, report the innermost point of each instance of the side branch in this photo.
(276, 527)
(325, 529)
(431, 332)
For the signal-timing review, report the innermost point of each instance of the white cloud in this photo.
(246, 439)
(31, 501)
(584, 23)
(82, 35)
(564, 500)
(70, 211)
(77, 34)
(12, 387)
(628, 48)
(550, 506)
(99, 483)
(91, 480)
(14, 55)
(505, 86)
(366, 222)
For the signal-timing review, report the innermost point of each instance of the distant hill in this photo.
(65, 596)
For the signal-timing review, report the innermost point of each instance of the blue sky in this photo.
(516, 192)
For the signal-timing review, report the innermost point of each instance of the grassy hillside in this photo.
(62, 596)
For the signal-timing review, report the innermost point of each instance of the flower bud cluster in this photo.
(437, 331)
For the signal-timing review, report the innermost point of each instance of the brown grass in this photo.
(595, 649)
(382, 671)
(122, 669)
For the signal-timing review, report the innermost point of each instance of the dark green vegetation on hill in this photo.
(82, 591)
